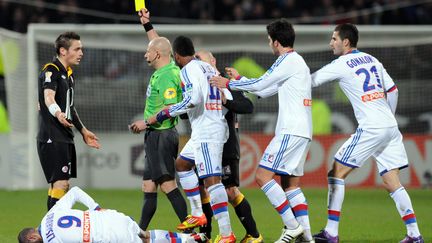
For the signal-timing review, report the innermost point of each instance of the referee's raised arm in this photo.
(144, 15)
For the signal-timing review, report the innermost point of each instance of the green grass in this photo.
(367, 215)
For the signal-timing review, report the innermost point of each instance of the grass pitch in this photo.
(368, 215)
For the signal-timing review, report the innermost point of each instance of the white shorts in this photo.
(285, 155)
(206, 156)
(384, 144)
(118, 228)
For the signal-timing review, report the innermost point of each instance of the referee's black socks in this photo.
(178, 203)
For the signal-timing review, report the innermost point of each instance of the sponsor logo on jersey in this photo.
(86, 227)
(213, 106)
(170, 93)
(373, 96)
(307, 102)
(186, 87)
(48, 77)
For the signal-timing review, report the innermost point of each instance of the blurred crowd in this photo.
(16, 14)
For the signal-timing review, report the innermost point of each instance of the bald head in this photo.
(162, 45)
(207, 57)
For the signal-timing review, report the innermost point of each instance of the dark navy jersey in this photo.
(56, 77)
(239, 105)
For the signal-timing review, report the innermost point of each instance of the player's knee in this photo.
(259, 180)
(331, 173)
(232, 193)
(168, 185)
(148, 186)
(182, 165)
(261, 177)
(62, 185)
(212, 180)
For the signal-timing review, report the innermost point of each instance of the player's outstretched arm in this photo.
(76, 195)
(89, 137)
(144, 15)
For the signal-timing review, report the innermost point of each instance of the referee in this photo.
(161, 139)
(57, 116)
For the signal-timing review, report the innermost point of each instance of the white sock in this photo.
(299, 207)
(219, 204)
(164, 236)
(406, 211)
(189, 182)
(160, 236)
(336, 193)
(277, 197)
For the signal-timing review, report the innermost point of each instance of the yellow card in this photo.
(139, 4)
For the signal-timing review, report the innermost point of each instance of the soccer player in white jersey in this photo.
(203, 105)
(62, 224)
(290, 78)
(373, 95)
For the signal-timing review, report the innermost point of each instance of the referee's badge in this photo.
(170, 93)
(48, 77)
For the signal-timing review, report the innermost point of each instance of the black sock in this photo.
(244, 213)
(178, 203)
(52, 202)
(207, 229)
(49, 203)
(148, 209)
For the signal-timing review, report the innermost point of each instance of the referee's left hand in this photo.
(137, 126)
(90, 138)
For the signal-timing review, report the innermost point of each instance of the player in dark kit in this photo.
(57, 116)
(240, 104)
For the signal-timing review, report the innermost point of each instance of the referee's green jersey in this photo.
(164, 89)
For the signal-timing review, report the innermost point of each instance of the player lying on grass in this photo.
(64, 224)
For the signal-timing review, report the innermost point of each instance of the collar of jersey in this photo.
(60, 65)
(353, 52)
(164, 68)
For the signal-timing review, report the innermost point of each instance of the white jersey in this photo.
(289, 76)
(202, 103)
(363, 79)
(62, 224)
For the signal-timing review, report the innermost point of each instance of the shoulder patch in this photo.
(48, 77)
(170, 93)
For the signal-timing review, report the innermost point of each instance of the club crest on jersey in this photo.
(48, 77)
(65, 169)
(227, 170)
(170, 93)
